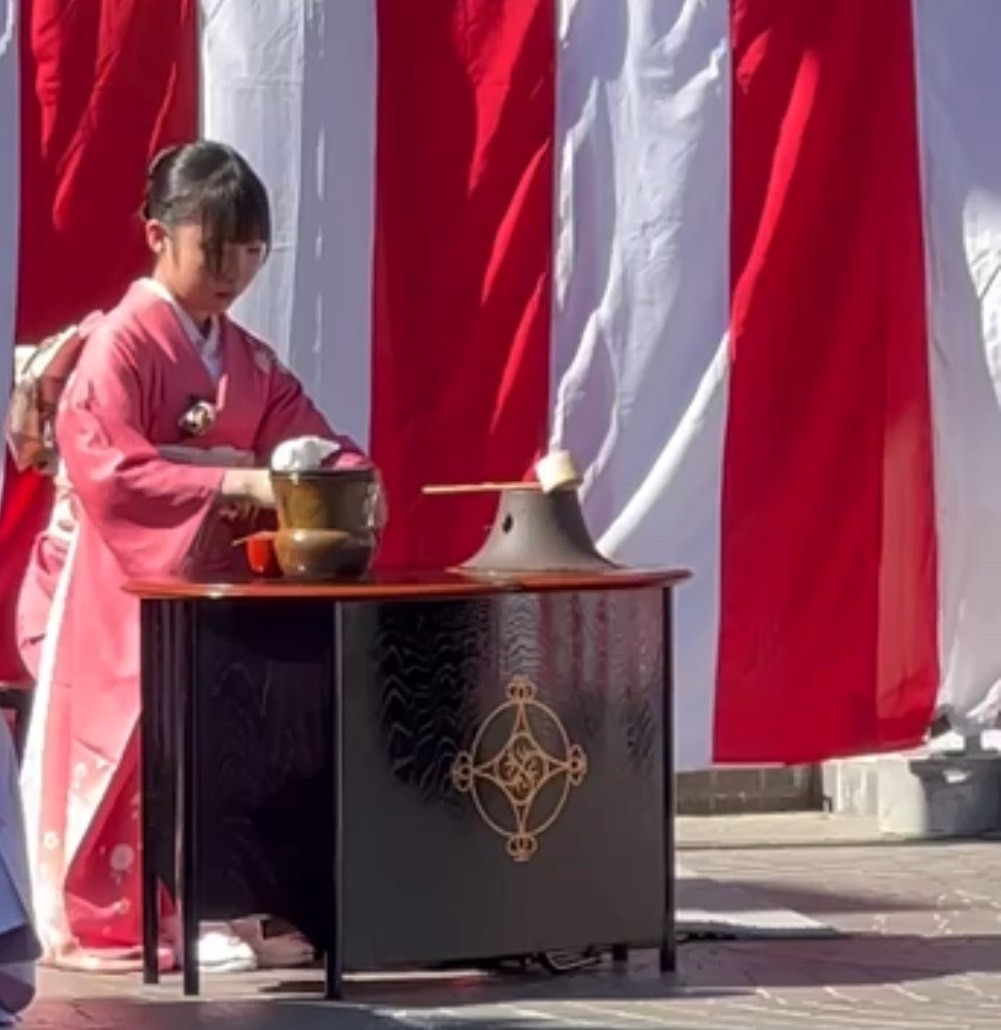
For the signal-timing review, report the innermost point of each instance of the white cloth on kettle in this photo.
(303, 454)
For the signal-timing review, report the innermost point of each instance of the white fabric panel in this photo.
(291, 84)
(958, 75)
(642, 300)
(10, 151)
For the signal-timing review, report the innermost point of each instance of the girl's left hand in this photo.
(381, 513)
(238, 511)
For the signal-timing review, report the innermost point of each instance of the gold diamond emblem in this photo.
(520, 769)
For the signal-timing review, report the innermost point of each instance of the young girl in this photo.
(164, 432)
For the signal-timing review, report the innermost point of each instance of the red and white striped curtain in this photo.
(739, 256)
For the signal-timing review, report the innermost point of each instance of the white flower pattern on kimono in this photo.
(266, 359)
(121, 860)
(262, 359)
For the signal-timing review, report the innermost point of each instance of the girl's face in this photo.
(182, 265)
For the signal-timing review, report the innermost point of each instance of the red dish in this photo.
(260, 551)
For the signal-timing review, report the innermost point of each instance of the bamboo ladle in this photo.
(556, 471)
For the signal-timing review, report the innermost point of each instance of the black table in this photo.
(416, 769)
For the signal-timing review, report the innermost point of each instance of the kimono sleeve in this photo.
(148, 511)
(289, 413)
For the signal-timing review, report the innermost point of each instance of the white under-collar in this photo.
(206, 344)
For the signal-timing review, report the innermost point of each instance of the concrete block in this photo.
(940, 795)
(850, 786)
(925, 793)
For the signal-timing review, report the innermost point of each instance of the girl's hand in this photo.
(247, 487)
(381, 513)
(238, 511)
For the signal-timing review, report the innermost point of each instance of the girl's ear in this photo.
(156, 235)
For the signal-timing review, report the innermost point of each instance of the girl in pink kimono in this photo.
(165, 432)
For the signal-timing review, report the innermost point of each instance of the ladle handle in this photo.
(475, 488)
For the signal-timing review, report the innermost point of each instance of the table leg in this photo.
(186, 828)
(149, 734)
(668, 946)
(334, 956)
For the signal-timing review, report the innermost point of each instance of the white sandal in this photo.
(219, 948)
(289, 950)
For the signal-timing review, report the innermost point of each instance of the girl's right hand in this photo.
(248, 486)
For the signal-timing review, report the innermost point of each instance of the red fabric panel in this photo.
(828, 638)
(464, 216)
(104, 85)
(24, 510)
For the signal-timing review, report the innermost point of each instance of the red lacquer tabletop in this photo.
(397, 584)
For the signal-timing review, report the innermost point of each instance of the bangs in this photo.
(211, 185)
(234, 209)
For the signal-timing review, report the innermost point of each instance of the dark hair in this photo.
(212, 185)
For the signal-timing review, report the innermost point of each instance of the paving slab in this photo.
(919, 945)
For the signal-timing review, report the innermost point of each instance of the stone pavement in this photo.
(920, 946)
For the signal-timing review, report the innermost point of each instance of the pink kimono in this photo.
(136, 514)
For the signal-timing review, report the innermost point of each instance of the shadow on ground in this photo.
(720, 972)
